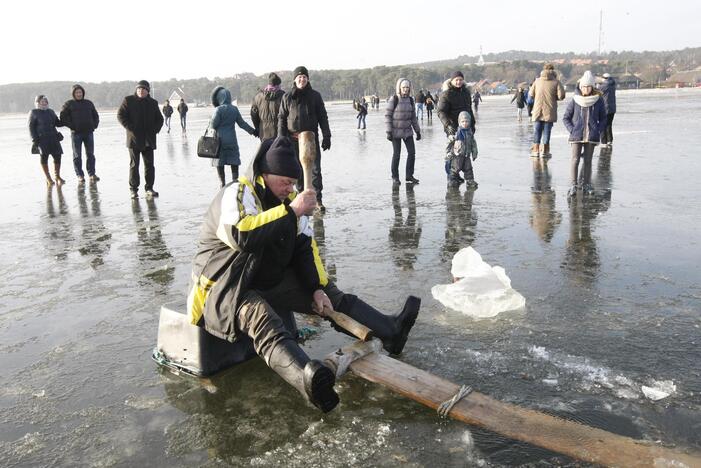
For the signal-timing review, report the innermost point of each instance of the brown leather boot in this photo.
(535, 150)
(546, 151)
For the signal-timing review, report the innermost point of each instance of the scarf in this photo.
(272, 88)
(586, 101)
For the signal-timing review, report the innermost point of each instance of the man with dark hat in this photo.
(454, 98)
(140, 116)
(257, 259)
(80, 116)
(302, 109)
(265, 108)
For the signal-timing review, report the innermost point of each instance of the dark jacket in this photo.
(420, 98)
(182, 108)
(79, 115)
(143, 120)
(226, 117)
(42, 128)
(167, 110)
(247, 240)
(264, 112)
(520, 99)
(451, 102)
(578, 113)
(608, 89)
(303, 110)
(430, 102)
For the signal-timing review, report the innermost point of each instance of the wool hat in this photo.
(274, 80)
(143, 84)
(606, 75)
(586, 80)
(456, 74)
(301, 70)
(280, 159)
(464, 115)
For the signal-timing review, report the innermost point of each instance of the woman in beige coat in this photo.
(546, 91)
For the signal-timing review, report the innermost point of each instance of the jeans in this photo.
(78, 140)
(519, 113)
(167, 122)
(581, 151)
(149, 170)
(411, 154)
(183, 121)
(361, 118)
(542, 128)
(420, 111)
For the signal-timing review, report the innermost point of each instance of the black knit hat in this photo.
(456, 74)
(280, 159)
(274, 80)
(143, 84)
(301, 70)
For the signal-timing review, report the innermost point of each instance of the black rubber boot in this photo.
(310, 377)
(392, 330)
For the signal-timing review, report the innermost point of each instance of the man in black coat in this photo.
(80, 116)
(265, 108)
(182, 110)
(302, 109)
(142, 118)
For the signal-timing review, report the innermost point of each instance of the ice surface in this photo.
(482, 291)
(659, 390)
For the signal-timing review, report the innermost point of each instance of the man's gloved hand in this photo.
(389, 136)
(474, 156)
(326, 143)
(255, 133)
(418, 136)
(451, 138)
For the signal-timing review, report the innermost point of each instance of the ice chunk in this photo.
(481, 290)
(659, 390)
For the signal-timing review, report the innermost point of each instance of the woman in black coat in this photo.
(46, 140)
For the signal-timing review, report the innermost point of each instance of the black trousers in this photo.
(607, 135)
(149, 170)
(410, 157)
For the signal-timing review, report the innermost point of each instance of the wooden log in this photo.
(307, 156)
(559, 435)
(358, 330)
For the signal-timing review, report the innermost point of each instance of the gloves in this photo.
(389, 136)
(418, 136)
(474, 156)
(451, 138)
(326, 143)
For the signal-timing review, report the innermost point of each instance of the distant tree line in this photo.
(512, 67)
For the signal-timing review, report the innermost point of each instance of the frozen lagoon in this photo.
(612, 287)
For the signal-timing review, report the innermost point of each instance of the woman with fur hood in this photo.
(401, 123)
(226, 117)
(585, 119)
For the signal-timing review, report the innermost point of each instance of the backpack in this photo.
(395, 100)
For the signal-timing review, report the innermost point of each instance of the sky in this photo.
(131, 40)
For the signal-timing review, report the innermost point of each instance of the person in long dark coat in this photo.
(302, 109)
(265, 108)
(140, 116)
(226, 117)
(45, 138)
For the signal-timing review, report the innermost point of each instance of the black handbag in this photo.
(208, 146)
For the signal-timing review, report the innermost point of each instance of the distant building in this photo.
(685, 78)
(177, 94)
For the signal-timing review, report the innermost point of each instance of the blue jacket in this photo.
(608, 88)
(574, 119)
(225, 117)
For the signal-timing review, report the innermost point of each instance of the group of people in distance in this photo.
(182, 110)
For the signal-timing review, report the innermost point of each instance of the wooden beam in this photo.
(559, 435)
